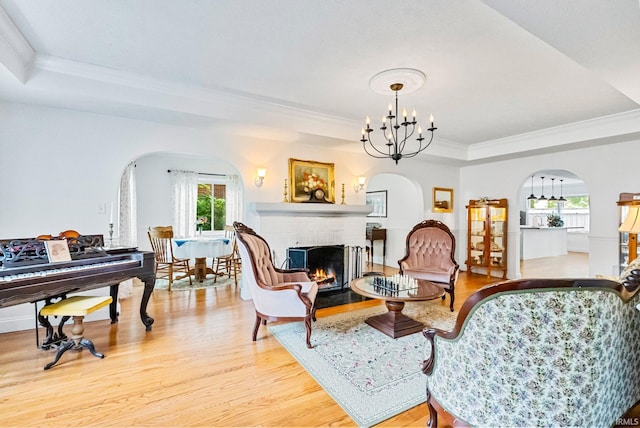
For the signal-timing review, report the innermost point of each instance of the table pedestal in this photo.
(201, 270)
(394, 323)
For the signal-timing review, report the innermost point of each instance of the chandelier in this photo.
(396, 129)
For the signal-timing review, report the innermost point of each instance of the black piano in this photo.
(26, 276)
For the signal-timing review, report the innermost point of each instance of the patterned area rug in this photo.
(183, 284)
(370, 375)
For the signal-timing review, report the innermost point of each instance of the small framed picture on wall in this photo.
(377, 200)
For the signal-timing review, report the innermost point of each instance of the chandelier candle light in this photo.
(396, 131)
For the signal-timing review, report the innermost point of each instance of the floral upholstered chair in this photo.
(278, 294)
(430, 248)
(539, 352)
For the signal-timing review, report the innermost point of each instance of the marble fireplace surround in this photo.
(286, 225)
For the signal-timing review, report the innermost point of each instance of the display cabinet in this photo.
(629, 227)
(487, 236)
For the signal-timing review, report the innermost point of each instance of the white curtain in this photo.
(234, 199)
(127, 225)
(184, 198)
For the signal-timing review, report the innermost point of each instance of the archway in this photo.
(404, 209)
(153, 192)
(554, 224)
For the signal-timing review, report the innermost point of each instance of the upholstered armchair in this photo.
(539, 352)
(278, 294)
(429, 255)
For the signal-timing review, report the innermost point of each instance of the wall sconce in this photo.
(260, 175)
(360, 184)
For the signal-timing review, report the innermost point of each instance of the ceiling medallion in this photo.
(396, 131)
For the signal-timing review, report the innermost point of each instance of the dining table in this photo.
(200, 249)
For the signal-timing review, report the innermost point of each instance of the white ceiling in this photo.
(505, 78)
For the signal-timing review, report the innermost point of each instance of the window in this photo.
(574, 211)
(211, 211)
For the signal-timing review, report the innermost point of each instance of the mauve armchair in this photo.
(278, 294)
(430, 249)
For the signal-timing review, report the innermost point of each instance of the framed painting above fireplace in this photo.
(311, 181)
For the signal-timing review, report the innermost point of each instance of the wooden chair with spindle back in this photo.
(161, 238)
(231, 263)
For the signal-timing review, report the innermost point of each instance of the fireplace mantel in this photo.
(285, 225)
(309, 209)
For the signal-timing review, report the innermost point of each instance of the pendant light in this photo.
(561, 198)
(553, 197)
(542, 198)
(532, 197)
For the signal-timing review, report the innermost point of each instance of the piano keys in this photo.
(35, 281)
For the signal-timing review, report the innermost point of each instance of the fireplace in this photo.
(331, 266)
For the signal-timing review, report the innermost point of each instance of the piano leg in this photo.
(113, 306)
(149, 284)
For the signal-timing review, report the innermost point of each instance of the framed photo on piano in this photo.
(58, 250)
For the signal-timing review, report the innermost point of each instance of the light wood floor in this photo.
(197, 367)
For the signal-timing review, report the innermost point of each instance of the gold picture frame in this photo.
(311, 181)
(442, 200)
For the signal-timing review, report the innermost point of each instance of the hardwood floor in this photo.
(197, 367)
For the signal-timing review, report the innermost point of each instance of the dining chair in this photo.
(231, 263)
(161, 238)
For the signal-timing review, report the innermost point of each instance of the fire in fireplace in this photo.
(326, 264)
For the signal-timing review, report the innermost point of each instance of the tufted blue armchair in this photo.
(429, 255)
(539, 352)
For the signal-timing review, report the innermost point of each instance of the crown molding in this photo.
(216, 103)
(611, 128)
(16, 54)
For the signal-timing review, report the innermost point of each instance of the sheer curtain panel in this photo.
(127, 225)
(184, 198)
(234, 198)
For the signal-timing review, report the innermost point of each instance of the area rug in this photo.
(183, 284)
(370, 375)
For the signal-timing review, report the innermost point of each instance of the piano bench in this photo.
(76, 307)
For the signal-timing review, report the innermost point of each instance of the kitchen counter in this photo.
(538, 242)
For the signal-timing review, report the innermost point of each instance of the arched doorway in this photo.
(554, 225)
(153, 188)
(404, 209)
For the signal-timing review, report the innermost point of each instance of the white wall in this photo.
(58, 166)
(606, 172)
(154, 187)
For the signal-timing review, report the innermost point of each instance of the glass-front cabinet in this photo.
(487, 235)
(629, 227)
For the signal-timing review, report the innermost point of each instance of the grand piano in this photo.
(27, 276)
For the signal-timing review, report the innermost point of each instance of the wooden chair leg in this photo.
(256, 327)
(307, 326)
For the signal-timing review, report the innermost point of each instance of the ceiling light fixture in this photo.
(542, 198)
(561, 198)
(532, 197)
(397, 131)
(553, 193)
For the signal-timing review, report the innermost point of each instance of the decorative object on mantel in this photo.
(396, 80)
(286, 199)
(342, 203)
(311, 181)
